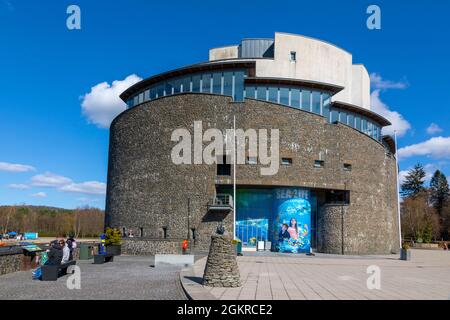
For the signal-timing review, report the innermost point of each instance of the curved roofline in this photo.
(368, 113)
(208, 65)
(316, 39)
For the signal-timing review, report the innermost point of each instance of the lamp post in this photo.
(398, 191)
(234, 177)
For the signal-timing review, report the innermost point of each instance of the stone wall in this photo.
(147, 192)
(221, 269)
(329, 230)
(11, 263)
(137, 246)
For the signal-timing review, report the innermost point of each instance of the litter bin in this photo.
(86, 251)
(239, 248)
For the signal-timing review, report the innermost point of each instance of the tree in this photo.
(414, 182)
(419, 220)
(439, 191)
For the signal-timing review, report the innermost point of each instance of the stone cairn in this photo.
(221, 268)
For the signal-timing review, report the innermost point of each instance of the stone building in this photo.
(336, 186)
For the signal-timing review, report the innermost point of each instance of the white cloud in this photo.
(39, 195)
(377, 83)
(89, 187)
(18, 186)
(49, 180)
(89, 200)
(402, 176)
(433, 128)
(102, 104)
(399, 124)
(436, 147)
(15, 167)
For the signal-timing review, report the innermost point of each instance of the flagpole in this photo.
(234, 177)
(398, 190)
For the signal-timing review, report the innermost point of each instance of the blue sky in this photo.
(53, 154)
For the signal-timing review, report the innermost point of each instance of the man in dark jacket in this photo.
(55, 254)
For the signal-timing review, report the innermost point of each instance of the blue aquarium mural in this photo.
(280, 215)
(292, 220)
(252, 230)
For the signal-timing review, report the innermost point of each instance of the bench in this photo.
(102, 258)
(183, 260)
(52, 272)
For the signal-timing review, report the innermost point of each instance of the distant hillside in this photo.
(51, 221)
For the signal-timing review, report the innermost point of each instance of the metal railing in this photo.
(221, 201)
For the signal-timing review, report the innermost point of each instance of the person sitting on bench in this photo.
(65, 250)
(54, 257)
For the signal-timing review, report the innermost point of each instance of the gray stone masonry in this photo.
(221, 268)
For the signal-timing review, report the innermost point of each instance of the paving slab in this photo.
(267, 276)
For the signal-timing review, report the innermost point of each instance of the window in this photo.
(168, 88)
(261, 93)
(351, 120)
(239, 86)
(364, 125)
(164, 232)
(306, 100)
(252, 160)
(286, 161)
(228, 83)
(326, 106)
(284, 96)
(124, 232)
(186, 83)
(347, 167)
(141, 232)
(273, 94)
(293, 56)
(153, 92)
(343, 117)
(250, 92)
(316, 102)
(160, 90)
(369, 128)
(206, 84)
(319, 163)
(217, 83)
(334, 116)
(193, 235)
(295, 98)
(196, 83)
(224, 168)
(358, 123)
(337, 197)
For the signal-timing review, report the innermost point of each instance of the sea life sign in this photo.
(292, 220)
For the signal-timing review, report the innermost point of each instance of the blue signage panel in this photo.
(292, 221)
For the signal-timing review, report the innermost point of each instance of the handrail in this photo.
(225, 200)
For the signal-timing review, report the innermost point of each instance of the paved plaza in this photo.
(128, 277)
(267, 276)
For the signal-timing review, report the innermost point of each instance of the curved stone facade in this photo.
(148, 193)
